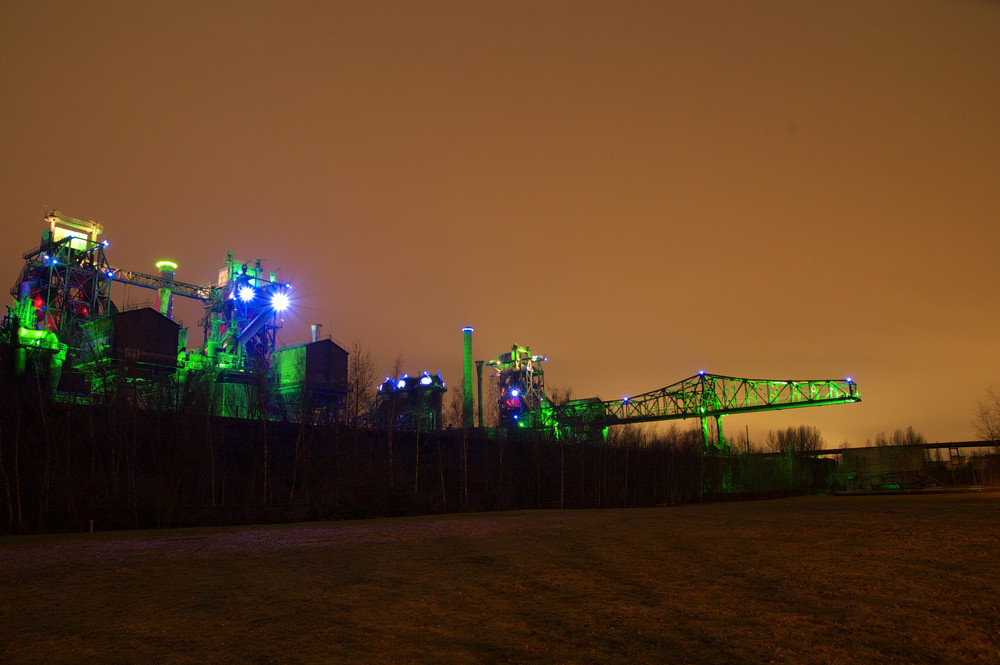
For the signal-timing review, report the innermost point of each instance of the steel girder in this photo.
(133, 278)
(711, 395)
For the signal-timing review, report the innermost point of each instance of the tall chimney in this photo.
(467, 379)
(165, 292)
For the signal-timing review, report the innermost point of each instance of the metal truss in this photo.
(68, 284)
(133, 278)
(711, 395)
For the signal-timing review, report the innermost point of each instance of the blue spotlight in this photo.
(245, 293)
(279, 301)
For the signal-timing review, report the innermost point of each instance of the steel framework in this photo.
(155, 282)
(701, 396)
(67, 278)
(711, 395)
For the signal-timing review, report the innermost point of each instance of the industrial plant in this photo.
(67, 341)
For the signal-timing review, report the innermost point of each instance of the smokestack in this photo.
(316, 327)
(467, 379)
(479, 391)
(165, 292)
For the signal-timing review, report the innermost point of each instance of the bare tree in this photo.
(987, 420)
(794, 439)
(907, 437)
(453, 410)
(397, 370)
(560, 395)
(360, 380)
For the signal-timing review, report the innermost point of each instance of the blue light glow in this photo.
(515, 392)
(246, 293)
(850, 380)
(426, 380)
(401, 384)
(279, 301)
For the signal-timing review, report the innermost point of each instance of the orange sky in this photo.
(639, 190)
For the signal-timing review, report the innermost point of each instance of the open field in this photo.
(894, 579)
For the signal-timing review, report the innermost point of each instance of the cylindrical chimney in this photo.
(165, 292)
(316, 327)
(467, 379)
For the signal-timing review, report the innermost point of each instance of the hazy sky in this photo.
(638, 190)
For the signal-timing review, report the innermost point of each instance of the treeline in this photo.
(73, 467)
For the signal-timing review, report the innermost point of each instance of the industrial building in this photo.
(64, 327)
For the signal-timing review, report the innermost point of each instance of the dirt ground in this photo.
(889, 579)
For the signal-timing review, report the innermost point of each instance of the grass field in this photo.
(890, 579)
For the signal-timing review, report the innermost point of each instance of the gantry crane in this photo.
(703, 396)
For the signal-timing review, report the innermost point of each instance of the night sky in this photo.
(638, 190)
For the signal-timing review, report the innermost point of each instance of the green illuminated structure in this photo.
(63, 318)
(467, 377)
(705, 396)
(523, 405)
(66, 278)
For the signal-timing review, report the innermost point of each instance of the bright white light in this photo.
(279, 301)
(426, 380)
(515, 392)
(246, 293)
(401, 384)
(850, 380)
